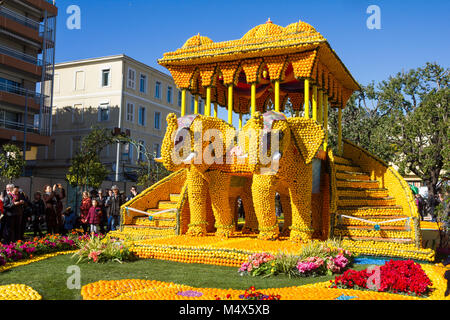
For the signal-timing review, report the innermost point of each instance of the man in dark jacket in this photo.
(114, 203)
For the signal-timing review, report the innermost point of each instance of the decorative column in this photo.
(215, 110)
(208, 102)
(240, 120)
(314, 103)
(183, 102)
(340, 131)
(196, 104)
(306, 91)
(325, 121)
(230, 104)
(277, 95)
(320, 106)
(253, 98)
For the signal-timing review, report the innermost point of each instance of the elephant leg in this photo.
(300, 193)
(219, 192)
(251, 222)
(287, 213)
(197, 192)
(263, 192)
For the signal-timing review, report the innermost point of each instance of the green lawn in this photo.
(49, 276)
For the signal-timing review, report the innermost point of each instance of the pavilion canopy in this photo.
(264, 55)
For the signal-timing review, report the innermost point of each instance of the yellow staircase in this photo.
(155, 212)
(373, 211)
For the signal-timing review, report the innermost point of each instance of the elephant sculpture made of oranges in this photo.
(288, 166)
(192, 142)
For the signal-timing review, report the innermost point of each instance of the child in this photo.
(70, 220)
(94, 216)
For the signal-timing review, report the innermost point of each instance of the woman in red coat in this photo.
(94, 217)
(84, 210)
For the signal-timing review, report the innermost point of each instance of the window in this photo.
(158, 90)
(141, 116)
(103, 112)
(130, 112)
(36, 119)
(56, 80)
(79, 80)
(157, 150)
(141, 151)
(157, 120)
(105, 77)
(179, 98)
(131, 83)
(127, 154)
(143, 83)
(169, 94)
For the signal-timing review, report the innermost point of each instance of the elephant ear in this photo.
(308, 136)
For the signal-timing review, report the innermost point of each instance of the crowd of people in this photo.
(99, 212)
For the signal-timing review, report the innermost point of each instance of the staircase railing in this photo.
(389, 179)
(160, 191)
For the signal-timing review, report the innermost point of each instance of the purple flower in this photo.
(189, 293)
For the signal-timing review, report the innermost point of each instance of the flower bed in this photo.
(99, 250)
(405, 277)
(20, 250)
(313, 260)
(140, 289)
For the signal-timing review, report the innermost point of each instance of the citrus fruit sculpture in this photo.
(285, 80)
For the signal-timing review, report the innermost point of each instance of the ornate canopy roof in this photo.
(265, 53)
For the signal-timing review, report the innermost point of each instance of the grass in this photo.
(49, 277)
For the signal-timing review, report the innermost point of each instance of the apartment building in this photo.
(108, 92)
(27, 51)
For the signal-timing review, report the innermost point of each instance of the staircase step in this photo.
(175, 197)
(356, 183)
(346, 201)
(356, 239)
(370, 211)
(342, 160)
(348, 167)
(362, 192)
(360, 232)
(371, 227)
(352, 175)
(348, 222)
(155, 222)
(167, 205)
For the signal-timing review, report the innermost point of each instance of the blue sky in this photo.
(412, 32)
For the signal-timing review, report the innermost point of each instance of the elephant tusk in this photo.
(160, 159)
(189, 158)
(243, 156)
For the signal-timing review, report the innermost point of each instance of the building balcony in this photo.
(19, 61)
(24, 26)
(32, 138)
(19, 96)
(44, 5)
